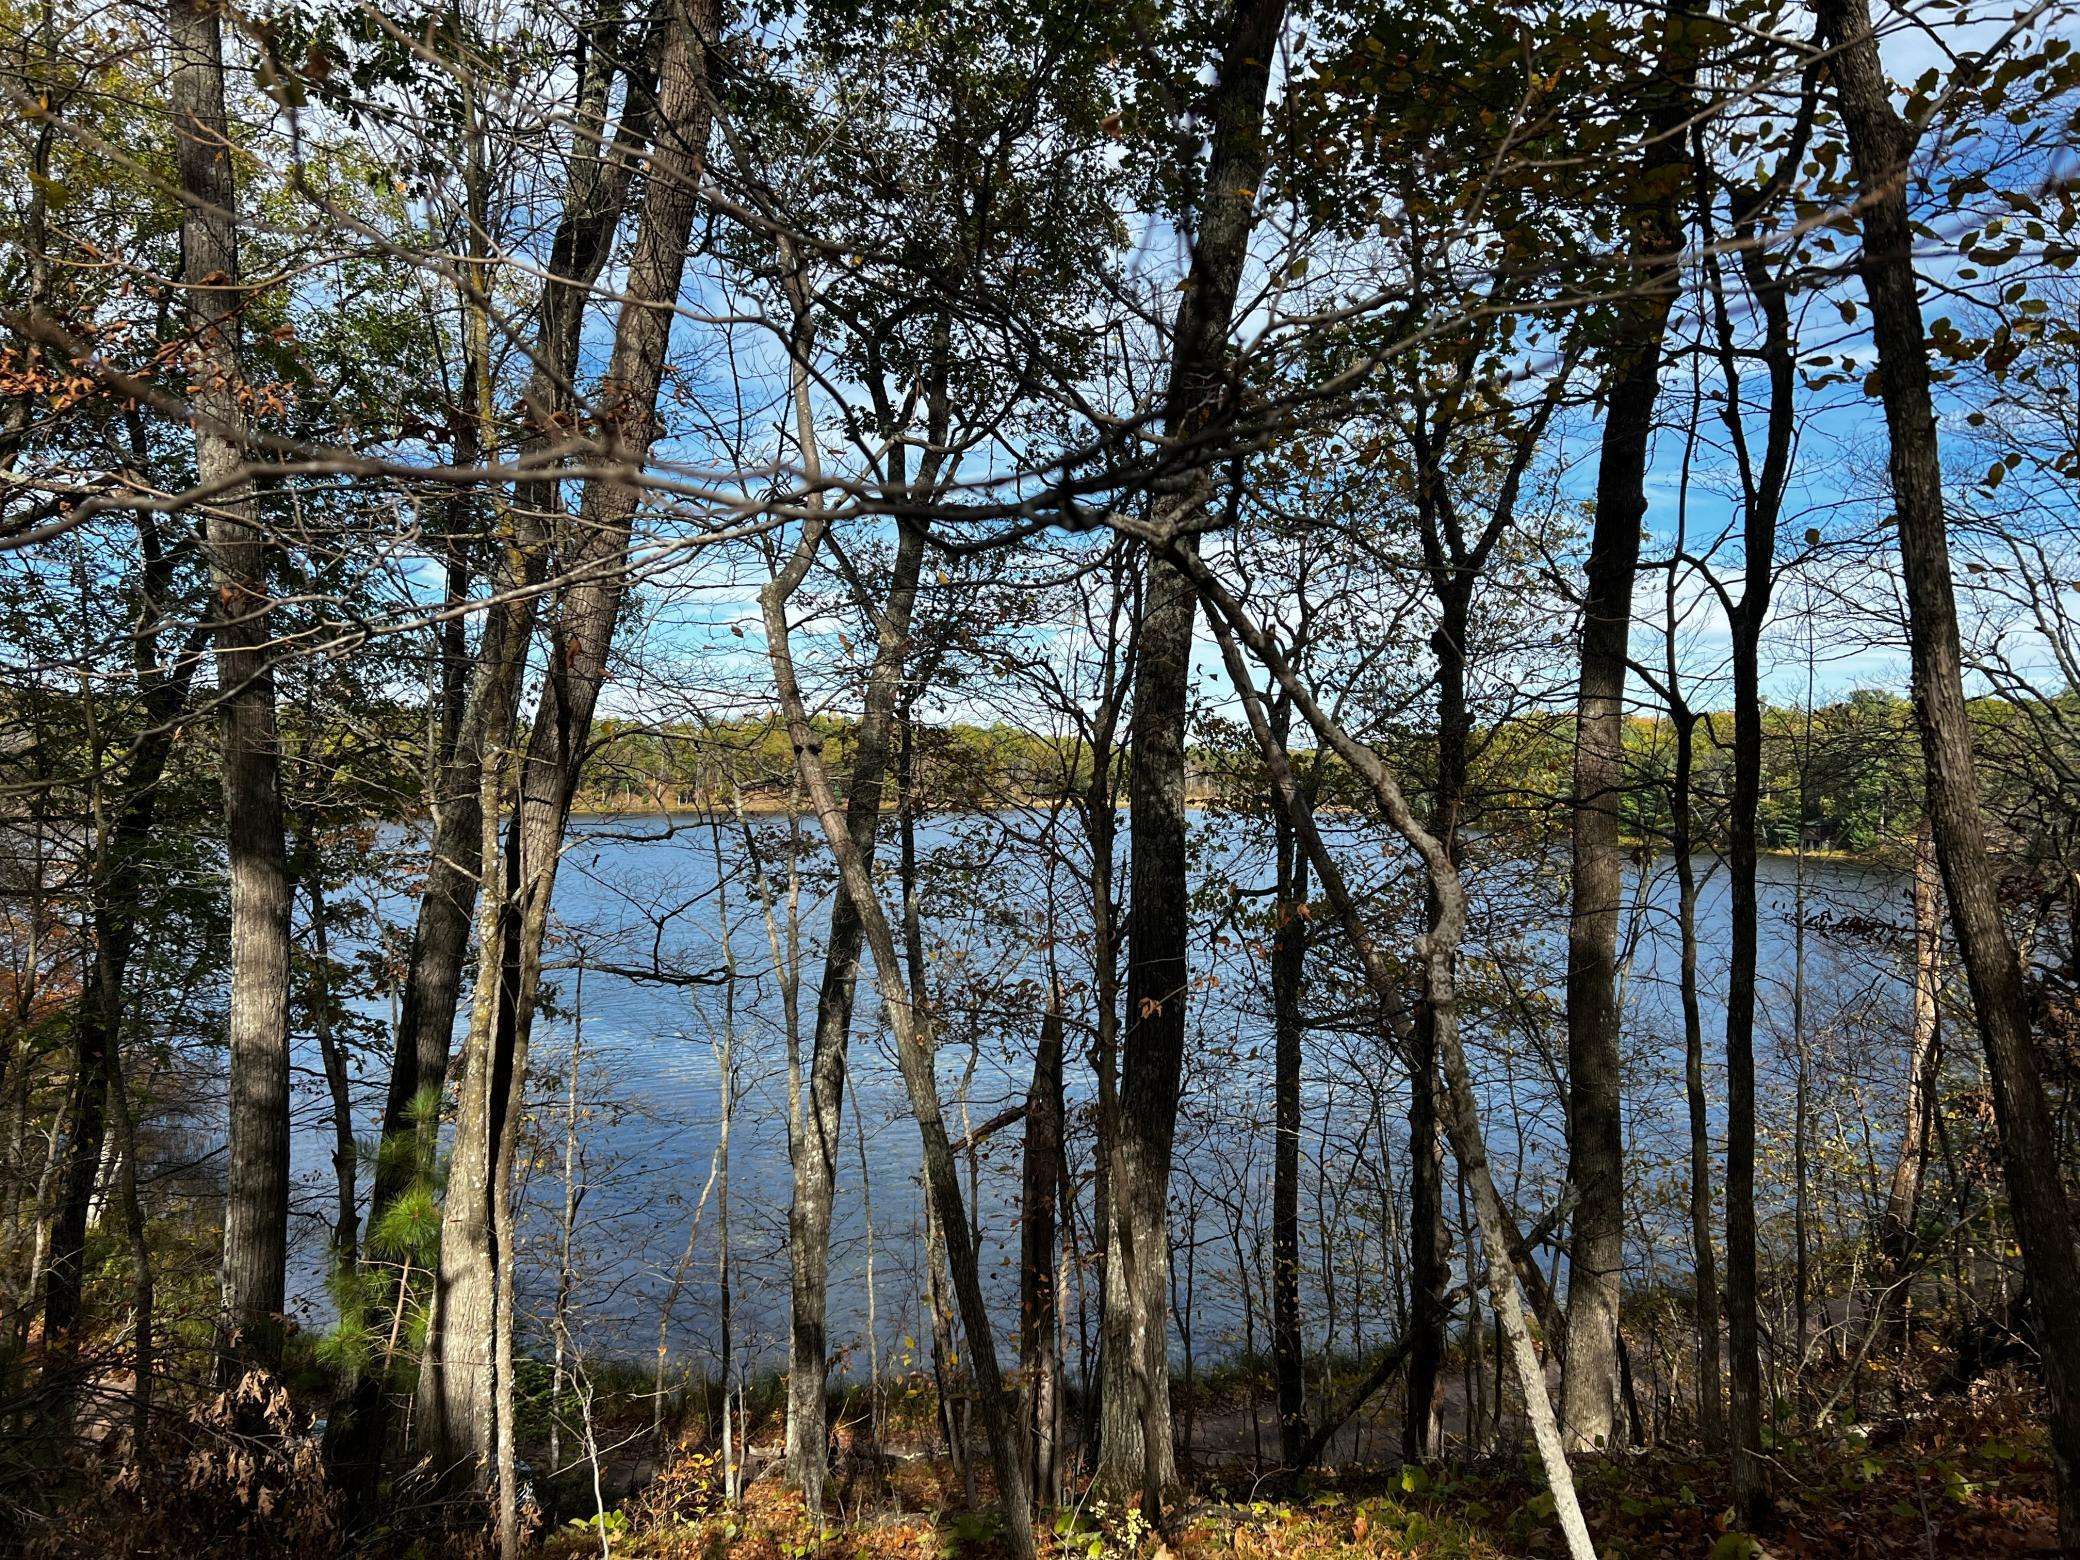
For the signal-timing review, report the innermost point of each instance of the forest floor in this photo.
(1966, 1475)
(1942, 1473)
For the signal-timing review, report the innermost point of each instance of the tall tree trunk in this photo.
(1100, 808)
(1039, 1334)
(908, 1020)
(346, 1158)
(1762, 500)
(1136, 1459)
(1453, 558)
(252, 1278)
(1499, 1238)
(1429, 1245)
(1880, 146)
(816, 1151)
(456, 1391)
(117, 900)
(1704, 1259)
(1902, 1208)
(141, 1280)
(1590, 1392)
(1288, 983)
(594, 199)
(123, 816)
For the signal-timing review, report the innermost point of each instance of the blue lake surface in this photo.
(645, 895)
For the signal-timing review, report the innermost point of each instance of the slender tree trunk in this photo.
(1703, 1255)
(1763, 500)
(346, 1157)
(454, 1421)
(118, 900)
(1039, 1353)
(1499, 1240)
(913, 1035)
(251, 1281)
(141, 1278)
(815, 1159)
(573, 1195)
(1902, 1208)
(1288, 981)
(1101, 828)
(115, 892)
(1590, 1390)
(1881, 145)
(950, 1428)
(1136, 1460)
(594, 200)
(456, 1392)
(1429, 1246)
(1744, 1326)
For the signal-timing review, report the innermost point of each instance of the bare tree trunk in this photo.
(1596, 1150)
(593, 202)
(1429, 1246)
(1136, 1460)
(504, 1225)
(251, 1280)
(1762, 501)
(1100, 807)
(456, 1392)
(1039, 1353)
(454, 1422)
(1288, 980)
(141, 1290)
(1881, 145)
(726, 1074)
(573, 1195)
(595, 198)
(117, 894)
(1703, 1256)
(911, 1026)
(1902, 1208)
(815, 1159)
(1498, 1239)
(346, 1157)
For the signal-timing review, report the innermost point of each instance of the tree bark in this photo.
(252, 1276)
(1590, 1390)
(1453, 559)
(912, 1030)
(1762, 497)
(117, 892)
(1429, 1246)
(1288, 983)
(1039, 1335)
(456, 1389)
(1704, 1259)
(593, 204)
(815, 1153)
(1896, 1220)
(1136, 1460)
(1499, 1239)
(1880, 146)
(346, 1158)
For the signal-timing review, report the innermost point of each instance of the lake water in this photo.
(645, 895)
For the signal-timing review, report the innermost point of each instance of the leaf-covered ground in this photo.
(1963, 1477)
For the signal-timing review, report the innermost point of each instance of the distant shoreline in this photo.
(1896, 857)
